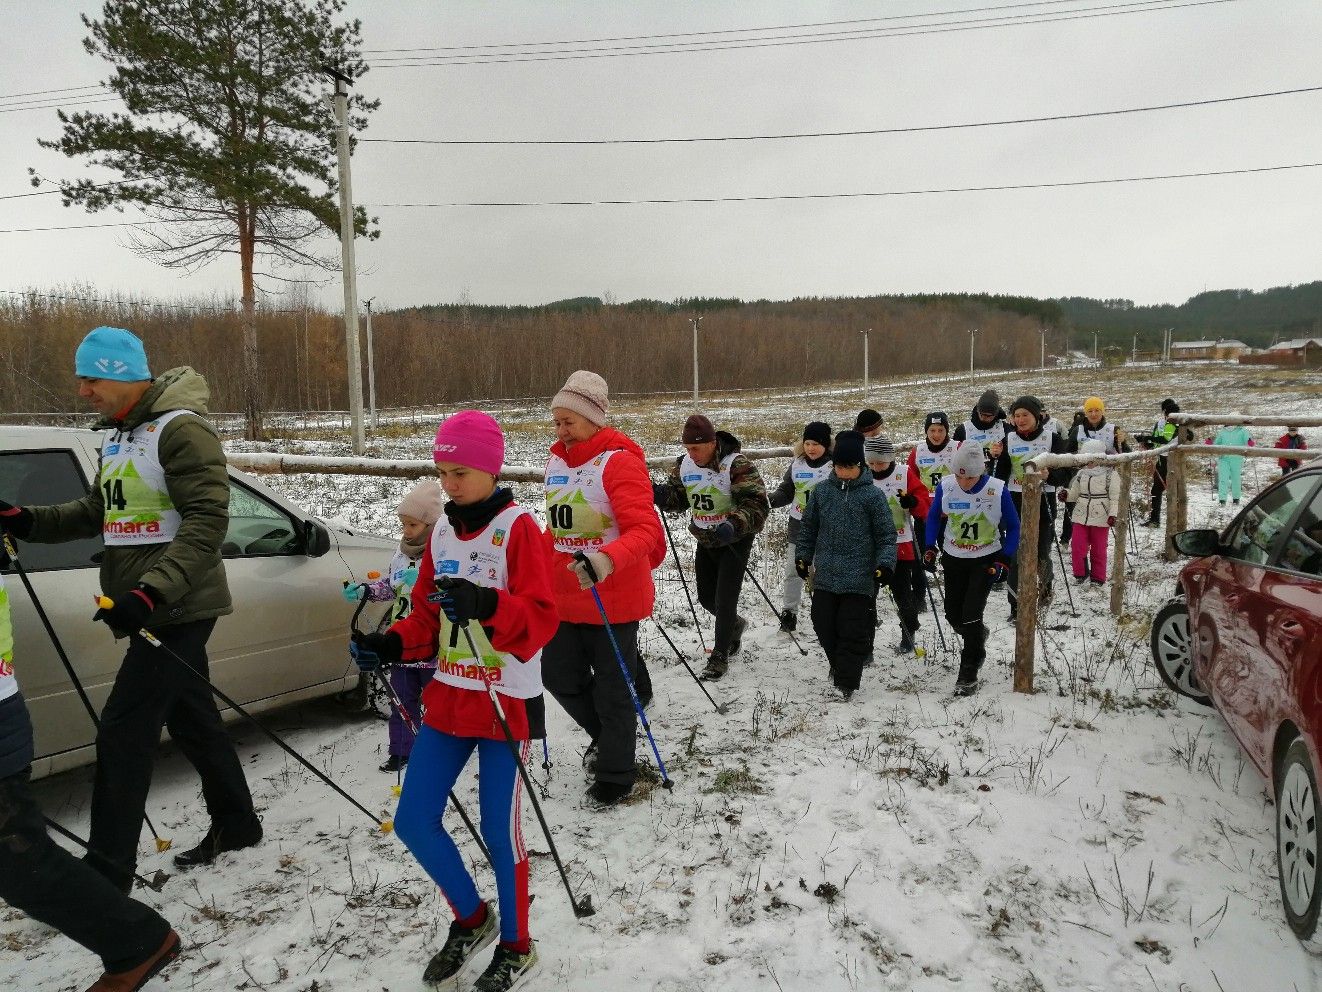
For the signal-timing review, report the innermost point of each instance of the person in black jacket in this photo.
(1028, 439)
(42, 879)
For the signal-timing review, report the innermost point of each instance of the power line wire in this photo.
(844, 196)
(695, 34)
(746, 199)
(842, 134)
(60, 89)
(1099, 12)
(60, 104)
(48, 192)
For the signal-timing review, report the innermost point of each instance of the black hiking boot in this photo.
(216, 842)
(906, 641)
(608, 793)
(590, 757)
(395, 763)
(788, 621)
(966, 682)
(458, 948)
(718, 663)
(737, 638)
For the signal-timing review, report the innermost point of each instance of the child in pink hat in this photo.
(487, 562)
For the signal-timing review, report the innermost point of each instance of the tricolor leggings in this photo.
(433, 769)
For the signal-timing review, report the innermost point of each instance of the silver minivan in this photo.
(286, 640)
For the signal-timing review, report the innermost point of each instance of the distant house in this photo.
(1300, 351)
(1225, 348)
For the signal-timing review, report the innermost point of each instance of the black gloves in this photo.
(929, 560)
(880, 576)
(801, 568)
(908, 500)
(462, 600)
(130, 612)
(371, 651)
(15, 520)
(724, 533)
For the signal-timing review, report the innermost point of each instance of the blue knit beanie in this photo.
(111, 353)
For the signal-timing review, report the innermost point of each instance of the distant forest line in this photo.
(469, 352)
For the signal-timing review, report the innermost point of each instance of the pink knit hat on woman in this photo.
(471, 438)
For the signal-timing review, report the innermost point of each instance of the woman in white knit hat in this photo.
(418, 512)
(599, 504)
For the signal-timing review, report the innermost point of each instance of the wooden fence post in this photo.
(1175, 502)
(1025, 632)
(1121, 536)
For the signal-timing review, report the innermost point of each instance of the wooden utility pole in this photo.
(1025, 631)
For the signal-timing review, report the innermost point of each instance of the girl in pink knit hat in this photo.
(487, 563)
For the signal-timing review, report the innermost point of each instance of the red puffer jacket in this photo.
(628, 594)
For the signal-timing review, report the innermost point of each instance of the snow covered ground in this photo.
(1101, 834)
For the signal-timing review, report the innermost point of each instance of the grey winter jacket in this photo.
(848, 532)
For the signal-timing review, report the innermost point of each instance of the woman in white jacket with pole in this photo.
(1095, 491)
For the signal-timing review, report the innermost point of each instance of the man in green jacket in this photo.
(161, 504)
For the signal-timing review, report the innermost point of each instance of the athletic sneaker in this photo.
(736, 639)
(507, 970)
(788, 621)
(462, 944)
(906, 641)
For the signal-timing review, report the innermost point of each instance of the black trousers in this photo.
(1046, 539)
(844, 624)
(968, 584)
(580, 670)
(918, 577)
(720, 577)
(152, 691)
(906, 596)
(42, 879)
(1158, 489)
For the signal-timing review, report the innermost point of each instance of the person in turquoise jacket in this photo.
(1230, 468)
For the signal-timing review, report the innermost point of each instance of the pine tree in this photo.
(226, 141)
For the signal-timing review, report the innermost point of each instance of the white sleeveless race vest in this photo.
(138, 509)
(892, 486)
(402, 574)
(933, 466)
(973, 520)
(1021, 451)
(985, 436)
(482, 560)
(8, 684)
(578, 511)
(804, 477)
(1105, 434)
(708, 491)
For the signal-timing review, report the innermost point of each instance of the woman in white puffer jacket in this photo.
(1095, 492)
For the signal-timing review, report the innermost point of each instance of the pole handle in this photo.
(579, 556)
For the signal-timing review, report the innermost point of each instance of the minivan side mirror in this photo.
(1198, 543)
(316, 539)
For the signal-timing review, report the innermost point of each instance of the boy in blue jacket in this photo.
(848, 534)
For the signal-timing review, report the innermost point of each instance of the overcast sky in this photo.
(1151, 242)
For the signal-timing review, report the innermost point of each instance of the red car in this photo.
(1245, 635)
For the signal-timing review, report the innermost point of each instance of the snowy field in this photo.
(1101, 834)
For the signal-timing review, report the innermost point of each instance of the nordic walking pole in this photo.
(581, 909)
(1065, 578)
(684, 582)
(758, 585)
(70, 835)
(385, 826)
(413, 729)
(720, 708)
(666, 782)
(936, 618)
(162, 843)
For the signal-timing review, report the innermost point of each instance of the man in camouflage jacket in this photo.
(727, 503)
